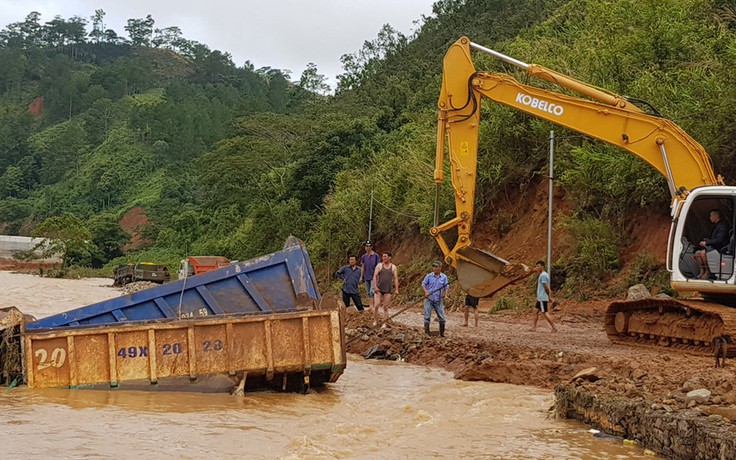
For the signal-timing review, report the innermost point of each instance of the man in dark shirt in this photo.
(368, 263)
(350, 274)
(717, 240)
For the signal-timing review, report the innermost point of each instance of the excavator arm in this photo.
(608, 117)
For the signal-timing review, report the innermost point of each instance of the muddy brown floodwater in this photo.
(375, 410)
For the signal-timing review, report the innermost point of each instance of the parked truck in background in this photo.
(195, 265)
(143, 271)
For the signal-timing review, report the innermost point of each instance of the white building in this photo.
(11, 245)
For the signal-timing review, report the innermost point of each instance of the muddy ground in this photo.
(503, 349)
(30, 266)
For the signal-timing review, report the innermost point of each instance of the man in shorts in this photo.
(385, 280)
(471, 302)
(544, 296)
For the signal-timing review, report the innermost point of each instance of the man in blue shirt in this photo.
(435, 286)
(544, 296)
(350, 274)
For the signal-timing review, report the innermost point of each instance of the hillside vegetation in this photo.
(230, 160)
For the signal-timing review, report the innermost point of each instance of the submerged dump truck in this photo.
(143, 271)
(262, 322)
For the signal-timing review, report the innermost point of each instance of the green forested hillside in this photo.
(230, 160)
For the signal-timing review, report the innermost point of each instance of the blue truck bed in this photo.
(283, 281)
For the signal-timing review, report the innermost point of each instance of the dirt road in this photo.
(502, 349)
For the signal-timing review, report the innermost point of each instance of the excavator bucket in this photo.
(482, 274)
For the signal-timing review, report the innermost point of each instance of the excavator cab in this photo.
(690, 226)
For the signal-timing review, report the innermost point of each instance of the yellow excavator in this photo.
(694, 187)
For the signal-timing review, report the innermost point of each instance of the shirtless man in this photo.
(384, 277)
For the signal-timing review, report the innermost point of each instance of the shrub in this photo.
(508, 303)
(594, 248)
(647, 271)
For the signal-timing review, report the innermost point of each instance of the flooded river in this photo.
(375, 410)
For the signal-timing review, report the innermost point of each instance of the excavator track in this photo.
(689, 325)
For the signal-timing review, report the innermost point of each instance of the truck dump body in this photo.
(279, 282)
(299, 348)
(262, 320)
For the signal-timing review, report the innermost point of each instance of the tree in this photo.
(16, 125)
(108, 236)
(278, 90)
(349, 144)
(58, 149)
(55, 32)
(212, 66)
(112, 37)
(11, 182)
(367, 61)
(13, 209)
(13, 63)
(110, 185)
(169, 38)
(31, 29)
(26, 34)
(99, 119)
(140, 31)
(312, 81)
(59, 33)
(98, 26)
(29, 171)
(68, 237)
(76, 32)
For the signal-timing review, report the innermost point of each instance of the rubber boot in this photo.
(426, 329)
(442, 329)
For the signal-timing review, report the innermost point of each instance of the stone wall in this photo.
(685, 434)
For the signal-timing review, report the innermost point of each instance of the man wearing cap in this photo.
(368, 263)
(435, 286)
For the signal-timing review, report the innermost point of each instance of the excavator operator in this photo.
(717, 240)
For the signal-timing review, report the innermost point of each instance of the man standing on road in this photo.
(435, 286)
(368, 263)
(471, 302)
(385, 275)
(350, 274)
(544, 296)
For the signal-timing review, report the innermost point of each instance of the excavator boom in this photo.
(605, 116)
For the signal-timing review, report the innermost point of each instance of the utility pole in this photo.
(370, 218)
(549, 204)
